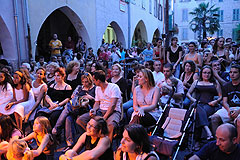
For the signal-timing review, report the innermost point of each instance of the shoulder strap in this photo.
(54, 85)
(65, 87)
(150, 155)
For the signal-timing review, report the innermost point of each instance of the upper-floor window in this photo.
(235, 14)
(160, 12)
(144, 4)
(155, 8)
(150, 6)
(220, 13)
(184, 15)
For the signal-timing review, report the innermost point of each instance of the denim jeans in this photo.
(128, 109)
(177, 71)
(69, 116)
(186, 103)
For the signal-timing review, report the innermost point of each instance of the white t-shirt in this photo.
(158, 77)
(179, 89)
(112, 91)
(115, 56)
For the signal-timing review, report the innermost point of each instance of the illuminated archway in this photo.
(140, 35)
(114, 32)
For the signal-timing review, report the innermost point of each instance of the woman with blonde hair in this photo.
(18, 150)
(145, 100)
(50, 70)
(42, 134)
(118, 79)
(73, 77)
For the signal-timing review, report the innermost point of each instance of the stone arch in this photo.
(119, 33)
(71, 25)
(140, 37)
(6, 41)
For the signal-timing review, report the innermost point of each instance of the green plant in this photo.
(201, 14)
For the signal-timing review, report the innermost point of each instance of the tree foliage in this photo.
(202, 13)
(237, 32)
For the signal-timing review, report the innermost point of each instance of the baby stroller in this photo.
(171, 135)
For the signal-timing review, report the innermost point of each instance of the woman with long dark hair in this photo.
(193, 55)
(188, 77)
(39, 88)
(220, 53)
(135, 144)
(8, 131)
(23, 98)
(206, 88)
(95, 140)
(6, 90)
(159, 52)
(174, 55)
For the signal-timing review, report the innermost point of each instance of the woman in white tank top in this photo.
(39, 88)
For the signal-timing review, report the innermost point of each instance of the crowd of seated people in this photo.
(91, 95)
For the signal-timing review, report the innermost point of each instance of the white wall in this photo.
(89, 17)
(8, 36)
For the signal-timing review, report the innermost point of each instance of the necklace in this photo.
(187, 77)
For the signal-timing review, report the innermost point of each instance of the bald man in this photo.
(224, 148)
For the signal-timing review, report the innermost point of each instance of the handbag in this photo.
(163, 146)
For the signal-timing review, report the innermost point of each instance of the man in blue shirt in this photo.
(147, 53)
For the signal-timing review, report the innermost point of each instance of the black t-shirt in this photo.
(173, 56)
(211, 151)
(232, 93)
(225, 76)
(75, 82)
(107, 155)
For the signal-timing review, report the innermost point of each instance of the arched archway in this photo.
(156, 35)
(65, 22)
(6, 42)
(114, 32)
(140, 35)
